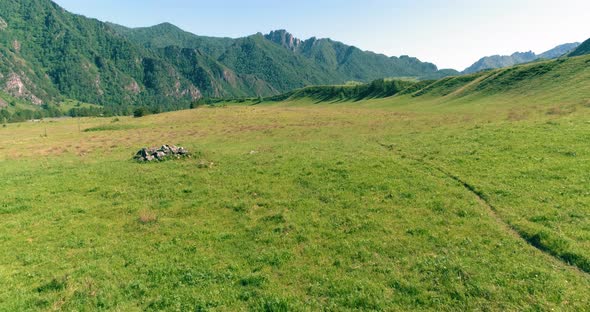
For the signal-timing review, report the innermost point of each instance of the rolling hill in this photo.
(564, 77)
(583, 49)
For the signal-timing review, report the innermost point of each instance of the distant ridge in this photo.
(559, 50)
(335, 61)
(499, 61)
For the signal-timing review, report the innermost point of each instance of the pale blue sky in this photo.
(451, 34)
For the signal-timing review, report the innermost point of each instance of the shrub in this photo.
(140, 112)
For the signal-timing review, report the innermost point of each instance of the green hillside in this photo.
(257, 56)
(583, 49)
(552, 78)
(212, 78)
(341, 93)
(313, 61)
(49, 53)
(165, 35)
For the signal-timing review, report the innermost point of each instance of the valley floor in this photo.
(354, 206)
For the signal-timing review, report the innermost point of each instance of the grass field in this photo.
(460, 202)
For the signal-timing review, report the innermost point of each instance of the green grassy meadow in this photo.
(457, 200)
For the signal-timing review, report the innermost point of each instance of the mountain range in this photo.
(48, 54)
(500, 61)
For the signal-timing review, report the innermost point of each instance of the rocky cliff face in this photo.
(17, 88)
(499, 61)
(284, 38)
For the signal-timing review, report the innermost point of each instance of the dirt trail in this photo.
(492, 211)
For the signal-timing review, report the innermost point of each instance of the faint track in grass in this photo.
(467, 86)
(492, 211)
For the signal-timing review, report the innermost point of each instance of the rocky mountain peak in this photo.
(529, 54)
(284, 38)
